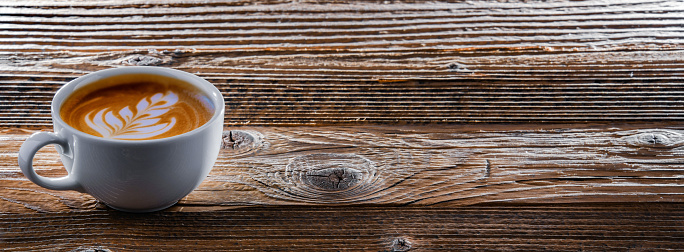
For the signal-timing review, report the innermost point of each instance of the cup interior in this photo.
(204, 86)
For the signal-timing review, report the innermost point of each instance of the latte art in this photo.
(137, 107)
(145, 122)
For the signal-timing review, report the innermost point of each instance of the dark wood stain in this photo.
(414, 62)
(446, 166)
(643, 227)
(374, 126)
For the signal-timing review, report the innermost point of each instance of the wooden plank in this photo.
(621, 227)
(606, 175)
(331, 63)
(427, 166)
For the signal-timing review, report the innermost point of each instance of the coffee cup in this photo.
(138, 139)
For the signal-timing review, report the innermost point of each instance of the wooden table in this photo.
(374, 126)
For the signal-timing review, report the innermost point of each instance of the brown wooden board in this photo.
(594, 227)
(447, 166)
(330, 63)
(374, 125)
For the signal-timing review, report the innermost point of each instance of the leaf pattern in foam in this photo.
(144, 123)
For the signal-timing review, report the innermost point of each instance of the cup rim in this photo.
(199, 82)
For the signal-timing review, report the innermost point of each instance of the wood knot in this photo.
(325, 178)
(333, 179)
(328, 171)
(659, 138)
(240, 142)
(91, 249)
(330, 178)
(400, 244)
(142, 60)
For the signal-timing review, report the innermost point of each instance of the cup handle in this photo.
(28, 150)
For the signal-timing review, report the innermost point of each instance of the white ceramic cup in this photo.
(132, 176)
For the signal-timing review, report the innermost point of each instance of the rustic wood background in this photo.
(374, 125)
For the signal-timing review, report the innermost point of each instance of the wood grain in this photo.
(421, 125)
(445, 166)
(595, 227)
(329, 62)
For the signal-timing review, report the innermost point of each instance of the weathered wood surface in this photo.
(448, 166)
(385, 188)
(595, 227)
(471, 125)
(320, 63)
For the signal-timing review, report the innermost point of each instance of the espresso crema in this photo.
(137, 107)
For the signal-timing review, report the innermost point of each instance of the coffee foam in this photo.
(137, 107)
